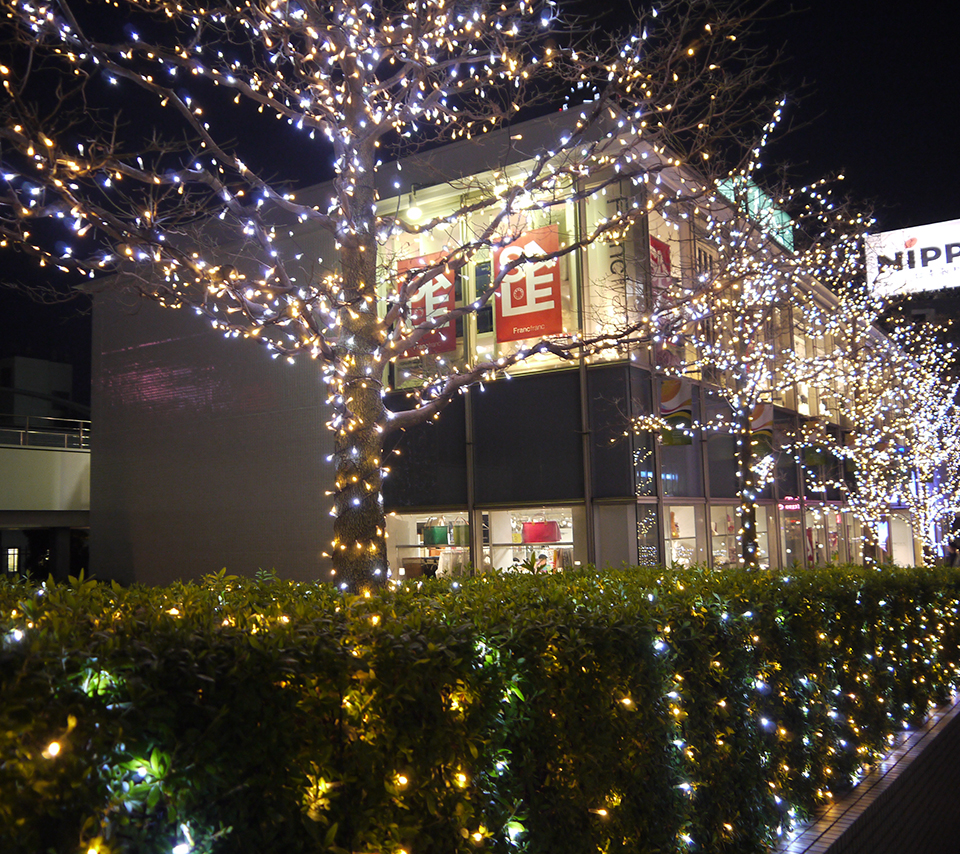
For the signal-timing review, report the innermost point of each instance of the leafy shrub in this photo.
(637, 710)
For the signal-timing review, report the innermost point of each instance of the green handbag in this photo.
(436, 533)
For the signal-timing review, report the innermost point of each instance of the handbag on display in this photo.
(436, 532)
(460, 532)
(541, 532)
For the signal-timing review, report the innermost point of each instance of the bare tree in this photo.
(164, 197)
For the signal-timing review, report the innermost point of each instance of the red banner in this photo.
(528, 300)
(433, 297)
(661, 274)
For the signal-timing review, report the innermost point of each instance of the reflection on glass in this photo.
(724, 525)
(850, 536)
(648, 535)
(823, 534)
(643, 465)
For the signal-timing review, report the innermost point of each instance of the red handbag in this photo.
(541, 532)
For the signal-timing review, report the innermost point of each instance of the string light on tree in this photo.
(183, 215)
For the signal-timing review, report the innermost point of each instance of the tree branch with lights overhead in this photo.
(168, 202)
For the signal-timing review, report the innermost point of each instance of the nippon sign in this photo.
(914, 260)
(528, 300)
(433, 298)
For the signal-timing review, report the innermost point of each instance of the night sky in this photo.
(873, 91)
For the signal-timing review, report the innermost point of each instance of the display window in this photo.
(428, 545)
(615, 265)
(546, 539)
(900, 544)
(791, 531)
(419, 262)
(534, 299)
(724, 524)
(822, 527)
(851, 536)
(684, 534)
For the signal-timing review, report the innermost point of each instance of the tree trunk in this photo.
(359, 546)
(747, 489)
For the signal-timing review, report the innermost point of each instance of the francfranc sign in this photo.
(913, 260)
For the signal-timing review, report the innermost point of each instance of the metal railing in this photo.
(41, 431)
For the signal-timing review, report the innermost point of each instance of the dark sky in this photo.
(882, 102)
(874, 91)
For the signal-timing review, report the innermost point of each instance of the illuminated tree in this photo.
(766, 313)
(933, 454)
(170, 203)
(901, 434)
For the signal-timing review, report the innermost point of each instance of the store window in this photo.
(822, 524)
(721, 447)
(12, 562)
(851, 535)
(680, 463)
(428, 545)
(648, 535)
(684, 534)
(549, 539)
(420, 259)
(724, 525)
(791, 532)
(536, 299)
(900, 540)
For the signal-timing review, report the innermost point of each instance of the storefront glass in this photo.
(428, 544)
(766, 535)
(681, 470)
(550, 539)
(684, 530)
(791, 532)
(850, 536)
(724, 524)
(723, 536)
(648, 535)
(900, 546)
(823, 534)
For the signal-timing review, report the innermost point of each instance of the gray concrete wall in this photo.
(207, 453)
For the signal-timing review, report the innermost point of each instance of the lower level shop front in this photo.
(556, 538)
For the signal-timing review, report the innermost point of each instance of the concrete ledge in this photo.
(908, 804)
(44, 519)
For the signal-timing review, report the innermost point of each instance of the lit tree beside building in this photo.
(172, 205)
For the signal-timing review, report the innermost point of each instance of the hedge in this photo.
(638, 710)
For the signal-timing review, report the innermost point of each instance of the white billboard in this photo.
(913, 260)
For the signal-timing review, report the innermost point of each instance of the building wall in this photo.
(42, 479)
(207, 453)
